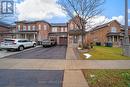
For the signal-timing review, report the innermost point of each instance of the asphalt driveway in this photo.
(58, 52)
(34, 78)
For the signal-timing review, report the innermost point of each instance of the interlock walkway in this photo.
(73, 76)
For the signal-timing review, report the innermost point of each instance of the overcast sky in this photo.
(50, 11)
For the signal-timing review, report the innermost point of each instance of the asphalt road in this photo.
(30, 78)
(58, 52)
(34, 78)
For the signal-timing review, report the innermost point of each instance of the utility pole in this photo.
(126, 37)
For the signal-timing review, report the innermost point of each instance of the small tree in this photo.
(84, 10)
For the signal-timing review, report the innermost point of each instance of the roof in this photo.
(28, 22)
(104, 25)
(123, 27)
(59, 24)
(3, 24)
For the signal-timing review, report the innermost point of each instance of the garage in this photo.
(63, 41)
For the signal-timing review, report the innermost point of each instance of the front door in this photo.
(75, 39)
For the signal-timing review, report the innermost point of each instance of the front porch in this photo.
(115, 38)
(74, 37)
(32, 36)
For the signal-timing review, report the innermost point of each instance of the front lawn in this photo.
(105, 53)
(107, 78)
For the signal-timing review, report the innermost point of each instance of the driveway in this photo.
(32, 78)
(58, 52)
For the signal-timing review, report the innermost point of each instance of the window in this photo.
(40, 27)
(62, 29)
(45, 27)
(18, 27)
(65, 29)
(29, 28)
(113, 30)
(71, 26)
(24, 27)
(33, 27)
(54, 29)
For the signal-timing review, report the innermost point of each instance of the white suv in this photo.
(18, 44)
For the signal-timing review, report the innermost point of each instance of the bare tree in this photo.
(83, 9)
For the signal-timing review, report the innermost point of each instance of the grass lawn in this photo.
(107, 78)
(105, 53)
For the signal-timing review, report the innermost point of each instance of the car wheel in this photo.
(21, 48)
(34, 45)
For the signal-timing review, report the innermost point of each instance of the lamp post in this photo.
(126, 37)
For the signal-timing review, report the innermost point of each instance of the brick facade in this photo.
(36, 31)
(59, 33)
(6, 31)
(109, 32)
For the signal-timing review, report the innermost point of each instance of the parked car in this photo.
(48, 43)
(17, 44)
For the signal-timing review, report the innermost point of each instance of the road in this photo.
(58, 52)
(34, 78)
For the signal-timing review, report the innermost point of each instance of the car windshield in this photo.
(8, 41)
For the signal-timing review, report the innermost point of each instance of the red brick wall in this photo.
(2, 30)
(100, 35)
(59, 29)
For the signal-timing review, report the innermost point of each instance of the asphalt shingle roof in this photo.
(59, 24)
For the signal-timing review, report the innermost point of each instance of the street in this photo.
(34, 78)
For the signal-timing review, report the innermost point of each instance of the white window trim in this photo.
(19, 27)
(33, 27)
(24, 28)
(62, 29)
(113, 29)
(29, 27)
(39, 27)
(45, 27)
(54, 29)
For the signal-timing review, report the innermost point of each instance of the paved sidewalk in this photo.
(74, 78)
(70, 54)
(46, 64)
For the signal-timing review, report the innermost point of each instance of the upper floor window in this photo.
(62, 29)
(45, 27)
(18, 27)
(40, 27)
(29, 27)
(65, 29)
(71, 26)
(113, 30)
(33, 27)
(54, 29)
(24, 27)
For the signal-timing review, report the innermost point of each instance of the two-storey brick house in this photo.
(109, 32)
(59, 33)
(35, 30)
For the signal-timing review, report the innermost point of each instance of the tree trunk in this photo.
(82, 35)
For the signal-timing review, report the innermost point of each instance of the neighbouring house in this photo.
(34, 30)
(109, 32)
(58, 33)
(6, 31)
(41, 30)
